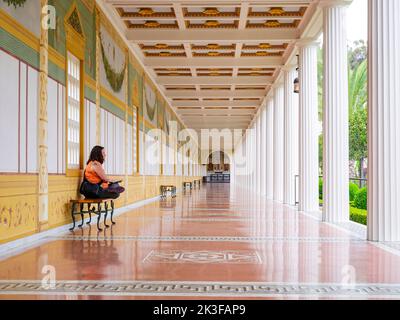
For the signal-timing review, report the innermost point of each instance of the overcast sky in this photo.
(357, 20)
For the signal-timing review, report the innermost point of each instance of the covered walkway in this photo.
(219, 242)
(161, 85)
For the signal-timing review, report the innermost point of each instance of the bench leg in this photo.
(106, 214)
(112, 211)
(83, 217)
(90, 214)
(99, 216)
(73, 217)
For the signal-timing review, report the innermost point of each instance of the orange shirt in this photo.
(92, 176)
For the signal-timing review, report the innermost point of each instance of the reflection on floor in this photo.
(217, 242)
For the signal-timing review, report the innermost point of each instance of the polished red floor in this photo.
(217, 242)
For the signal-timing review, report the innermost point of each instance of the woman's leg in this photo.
(104, 194)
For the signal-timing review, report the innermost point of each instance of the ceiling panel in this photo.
(214, 60)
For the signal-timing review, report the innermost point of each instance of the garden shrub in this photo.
(321, 189)
(358, 215)
(360, 200)
(353, 190)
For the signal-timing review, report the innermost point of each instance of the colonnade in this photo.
(279, 156)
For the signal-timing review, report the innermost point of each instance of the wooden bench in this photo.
(187, 184)
(165, 189)
(92, 206)
(197, 183)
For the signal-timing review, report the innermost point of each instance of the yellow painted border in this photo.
(110, 97)
(17, 30)
(90, 82)
(57, 58)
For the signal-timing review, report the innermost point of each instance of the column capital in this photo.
(289, 67)
(277, 84)
(270, 95)
(334, 3)
(307, 42)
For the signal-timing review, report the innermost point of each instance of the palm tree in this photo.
(358, 98)
(358, 86)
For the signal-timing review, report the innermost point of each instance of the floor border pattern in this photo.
(220, 289)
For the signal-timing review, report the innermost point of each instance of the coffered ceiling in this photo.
(214, 60)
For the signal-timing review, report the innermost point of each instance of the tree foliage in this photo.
(358, 98)
(357, 54)
(358, 86)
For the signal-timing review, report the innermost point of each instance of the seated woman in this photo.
(96, 184)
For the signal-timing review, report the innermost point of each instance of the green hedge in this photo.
(358, 215)
(353, 190)
(360, 201)
(321, 188)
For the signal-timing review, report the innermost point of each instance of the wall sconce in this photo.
(296, 82)
(296, 85)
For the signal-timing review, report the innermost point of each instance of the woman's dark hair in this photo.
(96, 155)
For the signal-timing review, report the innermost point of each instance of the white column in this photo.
(308, 127)
(263, 150)
(291, 125)
(278, 141)
(336, 114)
(248, 159)
(384, 120)
(269, 192)
(258, 155)
(253, 158)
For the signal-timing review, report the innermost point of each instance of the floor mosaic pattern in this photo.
(220, 241)
(204, 256)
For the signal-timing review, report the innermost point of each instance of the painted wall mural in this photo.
(167, 119)
(87, 19)
(136, 88)
(113, 65)
(150, 104)
(160, 112)
(28, 15)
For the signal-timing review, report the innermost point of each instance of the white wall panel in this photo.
(130, 150)
(90, 127)
(141, 153)
(113, 140)
(185, 166)
(32, 115)
(179, 164)
(168, 159)
(9, 84)
(152, 157)
(119, 155)
(52, 111)
(102, 124)
(22, 116)
(61, 129)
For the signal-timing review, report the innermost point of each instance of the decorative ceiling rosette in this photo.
(114, 78)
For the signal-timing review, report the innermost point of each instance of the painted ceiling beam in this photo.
(209, 62)
(210, 35)
(200, 104)
(208, 80)
(215, 94)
